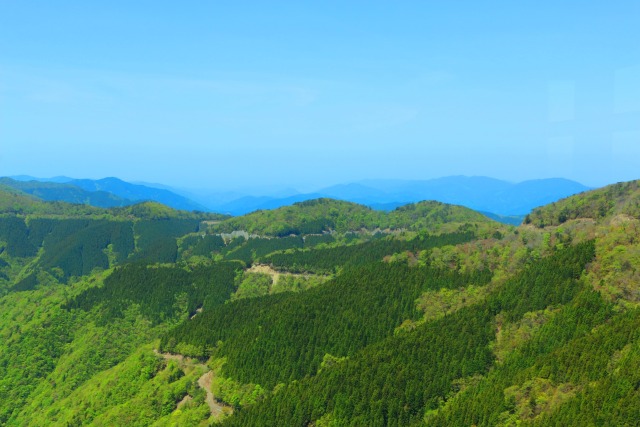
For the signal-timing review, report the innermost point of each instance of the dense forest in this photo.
(323, 313)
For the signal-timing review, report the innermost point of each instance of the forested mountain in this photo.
(618, 199)
(327, 215)
(14, 201)
(323, 313)
(44, 242)
(499, 200)
(105, 193)
(137, 192)
(52, 191)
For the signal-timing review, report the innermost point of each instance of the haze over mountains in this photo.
(497, 198)
(105, 193)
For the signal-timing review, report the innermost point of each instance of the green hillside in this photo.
(330, 314)
(48, 242)
(52, 191)
(324, 215)
(16, 202)
(621, 198)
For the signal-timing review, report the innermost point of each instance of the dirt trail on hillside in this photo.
(217, 409)
(205, 383)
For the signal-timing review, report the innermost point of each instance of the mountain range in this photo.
(105, 193)
(501, 200)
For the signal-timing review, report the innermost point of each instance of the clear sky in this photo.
(302, 94)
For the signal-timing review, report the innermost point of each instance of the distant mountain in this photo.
(505, 219)
(489, 195)
(479, 193)
(53, 191)
(453, 189)
(106, 192)
(138, 192)
(58, 179)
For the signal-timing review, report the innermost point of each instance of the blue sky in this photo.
(304, 94)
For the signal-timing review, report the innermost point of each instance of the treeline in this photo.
(163, 293)
(327, 260)
(399, 379)
(284, 337)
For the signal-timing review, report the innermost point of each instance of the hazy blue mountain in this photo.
(490, 195)
(53, 191)
(479, 193)
(236, 201)
(138, 192)
(58, 179)
(524, 196)
(356, 192)
(505, 219)
(248, 204)
(106, 192)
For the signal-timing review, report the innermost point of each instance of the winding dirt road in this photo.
(217, 408)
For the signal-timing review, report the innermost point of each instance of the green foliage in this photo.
(15, 202)
(257, 247)
(157, 239)
(201, 245)
(65, 192)
(163, 293)
(323, 215)
(397, 380)
(27, 357)
(15, 236)
(527, 326)
(79, 246)
(620, 198)
(616, 270)
(436, 304)
(251, 285)
(283, 337)
(312, 240)
(158, 211)
(327, 260)
(232, 392)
